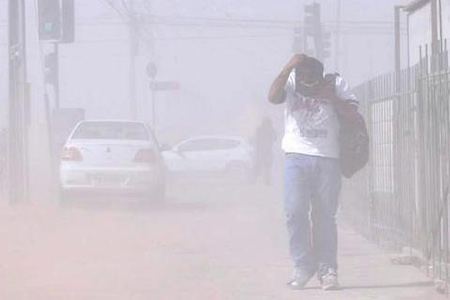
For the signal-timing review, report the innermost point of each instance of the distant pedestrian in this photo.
(264, 140)
(312, 177)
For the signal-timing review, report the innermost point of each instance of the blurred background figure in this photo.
(265, 137)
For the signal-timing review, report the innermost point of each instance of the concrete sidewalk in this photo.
(366, 271)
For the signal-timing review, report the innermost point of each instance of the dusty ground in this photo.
(224, 241)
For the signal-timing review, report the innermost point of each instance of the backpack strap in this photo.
(331, 78)
(346, 109)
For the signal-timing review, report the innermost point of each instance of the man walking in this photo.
(312, 178)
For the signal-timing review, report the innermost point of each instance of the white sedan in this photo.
(211, 155)
(113, 156)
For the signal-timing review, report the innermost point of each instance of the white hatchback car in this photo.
(113, 156)
(211, 155)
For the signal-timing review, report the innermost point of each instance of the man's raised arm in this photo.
(277, 94)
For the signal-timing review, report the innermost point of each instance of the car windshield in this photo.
(111, 131)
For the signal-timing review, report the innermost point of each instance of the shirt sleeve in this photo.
(290, 83)
(343, 91)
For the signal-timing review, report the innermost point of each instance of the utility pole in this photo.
(337, 37)
(51, 63)
(313, 28)
(56, 86)
(434, 27)
(133, 52)
(56, 25)
(397, 10)
(18, 100)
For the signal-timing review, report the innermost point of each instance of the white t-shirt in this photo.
(311, 125)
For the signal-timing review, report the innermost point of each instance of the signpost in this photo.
(164, 86)
(158, 86)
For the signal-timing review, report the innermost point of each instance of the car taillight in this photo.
(145, 156)
(71, 154)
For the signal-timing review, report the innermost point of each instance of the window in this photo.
(195, 145)
(111, 131)
(208, 144)
(230, 144)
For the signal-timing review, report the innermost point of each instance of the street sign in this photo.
(164, 85)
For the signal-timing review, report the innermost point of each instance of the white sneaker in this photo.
(299, 279)
(329, 280)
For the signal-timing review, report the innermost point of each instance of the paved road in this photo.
(221, 242)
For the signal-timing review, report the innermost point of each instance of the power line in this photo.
(256, 21)
(288, 28)
(267, 21)
(225, 20)
(219, 37)
(123, 15)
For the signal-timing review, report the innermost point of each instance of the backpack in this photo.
(354, 142)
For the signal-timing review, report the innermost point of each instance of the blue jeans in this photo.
(312, 185)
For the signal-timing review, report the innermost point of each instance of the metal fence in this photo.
(402, 195)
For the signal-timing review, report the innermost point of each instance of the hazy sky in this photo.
(224, 67)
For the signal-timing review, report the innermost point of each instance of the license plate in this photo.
(106, 180)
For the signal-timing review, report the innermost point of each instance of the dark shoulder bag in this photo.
(353, 136)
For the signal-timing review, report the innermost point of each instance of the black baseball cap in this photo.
(312, 64)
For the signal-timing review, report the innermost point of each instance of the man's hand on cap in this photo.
(297, 59)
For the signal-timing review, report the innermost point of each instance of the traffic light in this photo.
(312, 19)
(68, 21)
(49, 20)
(56, 20)
(51, 68)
